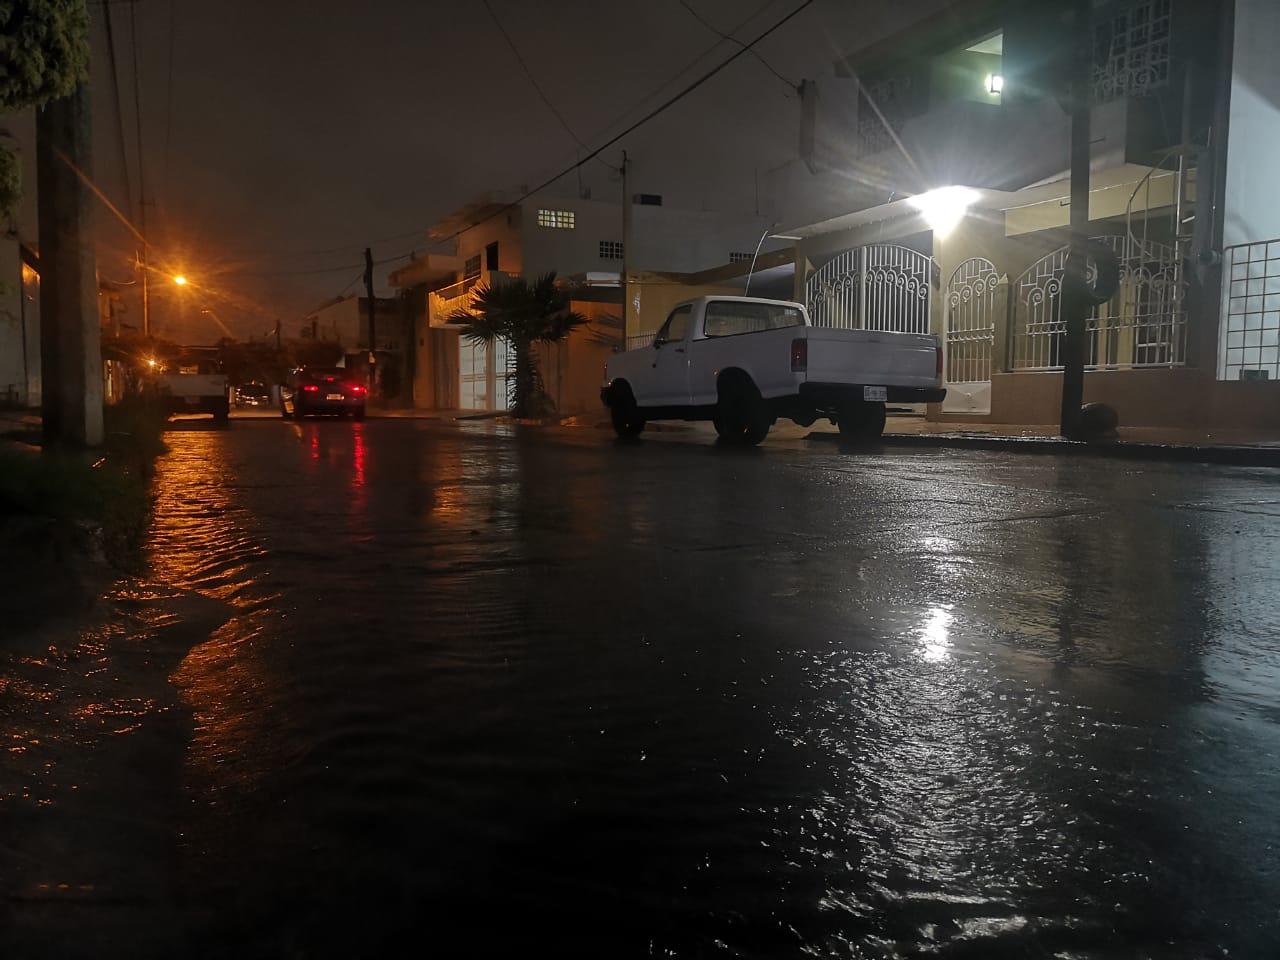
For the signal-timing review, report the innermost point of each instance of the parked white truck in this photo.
(194, 382)
(743, 362)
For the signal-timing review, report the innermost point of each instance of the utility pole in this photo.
(146, 279)
(70, 338)
(373, 324)
(626, 254)
(1075, 305)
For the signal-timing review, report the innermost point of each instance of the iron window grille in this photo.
(556, 219)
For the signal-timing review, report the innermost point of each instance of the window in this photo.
(1131, 50)
(491, 256)
(471, 268)
(728, 318)
(556, 219)
(610, 249)
(677, 326)
(647, 199)
(737, 256)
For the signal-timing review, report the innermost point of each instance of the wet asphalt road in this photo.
(511, 692)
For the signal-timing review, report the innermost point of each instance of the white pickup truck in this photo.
(194, 383)
(743, 362)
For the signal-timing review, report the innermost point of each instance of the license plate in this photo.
(879, 394)
(333, 396)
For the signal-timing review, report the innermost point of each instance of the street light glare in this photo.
(944, 207)
(180, 280)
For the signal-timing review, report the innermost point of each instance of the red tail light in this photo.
(311, 388)
(937, 363)
(355, 388)
(799, 356)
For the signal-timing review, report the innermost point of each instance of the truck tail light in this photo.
(937, 362)
(799, 356)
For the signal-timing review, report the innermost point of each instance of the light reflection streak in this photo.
(935, 635)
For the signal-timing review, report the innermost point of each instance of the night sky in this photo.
(294, 127)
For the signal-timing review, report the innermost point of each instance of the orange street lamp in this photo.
(180, 280)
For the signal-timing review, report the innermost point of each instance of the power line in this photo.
(354, 247)
(115, 96)
(639, 123)
(681, 72)
(313, 271)
(168, 112)
(533, 81)
(137, 116)
(714, 29)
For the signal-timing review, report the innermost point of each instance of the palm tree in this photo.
(523, 314)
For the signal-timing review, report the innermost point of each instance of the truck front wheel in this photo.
(862, 421)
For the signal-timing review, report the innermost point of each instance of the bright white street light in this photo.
(944, 208)
(995, 84)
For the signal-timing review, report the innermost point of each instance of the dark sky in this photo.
(292, 127)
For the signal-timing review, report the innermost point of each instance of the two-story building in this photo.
(961, 148)
(580, 240)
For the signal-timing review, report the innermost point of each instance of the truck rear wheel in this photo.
(862, 421)
(742, 416)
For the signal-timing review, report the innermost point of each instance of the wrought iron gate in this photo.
(883, 286)
(971, 320)
(1143, 325)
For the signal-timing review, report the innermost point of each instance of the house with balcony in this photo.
(581, 240)
(960, 150)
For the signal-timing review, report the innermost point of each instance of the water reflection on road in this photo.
(508, 689)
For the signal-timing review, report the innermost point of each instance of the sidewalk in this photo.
(1229, 447)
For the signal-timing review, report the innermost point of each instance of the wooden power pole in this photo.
(373, 323)
(70, 338)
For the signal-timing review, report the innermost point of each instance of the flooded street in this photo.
(497, 690)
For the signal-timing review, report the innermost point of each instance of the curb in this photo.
(1238, 456)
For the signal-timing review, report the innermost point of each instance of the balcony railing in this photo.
(451, 300)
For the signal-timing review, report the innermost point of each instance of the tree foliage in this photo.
(44, 50)
(523, 314)
(44, 53)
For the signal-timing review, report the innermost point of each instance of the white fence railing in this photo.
(1144, 324)
(1250, 333)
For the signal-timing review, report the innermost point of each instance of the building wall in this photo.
(663, 238)
(1179, 398)
(656, 297)
(13, 371)
(505, 228)
(573, 370)
(1252, 210)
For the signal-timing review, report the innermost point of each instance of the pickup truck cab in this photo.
(743, 362)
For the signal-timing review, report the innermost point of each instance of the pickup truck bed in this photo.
(744, 362)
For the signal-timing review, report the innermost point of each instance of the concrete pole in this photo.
(1075, 306)
(70, 338)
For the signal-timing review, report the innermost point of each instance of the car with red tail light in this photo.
(322, 391)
